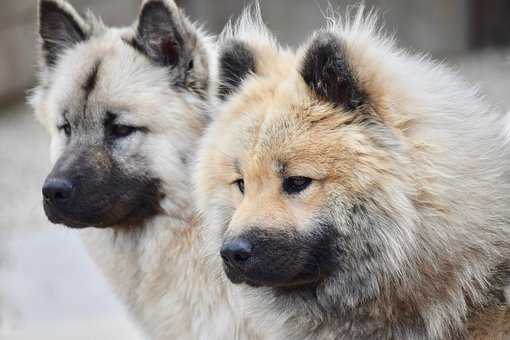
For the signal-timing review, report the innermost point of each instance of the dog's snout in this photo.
(236, 252)
(57, 190)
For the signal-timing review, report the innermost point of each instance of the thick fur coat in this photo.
(355, 190)
(124, 108)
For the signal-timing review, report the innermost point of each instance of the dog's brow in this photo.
(237, 165)
(91, 81)
(280, 167)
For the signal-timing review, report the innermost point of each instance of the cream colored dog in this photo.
(357, 191)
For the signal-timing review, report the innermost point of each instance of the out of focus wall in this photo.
(437, 26)
(18, 38)
(440, 27)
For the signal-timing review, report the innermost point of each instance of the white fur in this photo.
(156, 268)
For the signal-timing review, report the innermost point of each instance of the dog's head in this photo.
(301, 176)
(124, 108)
(355, 185)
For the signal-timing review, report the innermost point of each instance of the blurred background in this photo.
(49, 288)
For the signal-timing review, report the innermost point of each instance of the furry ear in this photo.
(326, 71)
(60, 27)
(237, 61)
(164, 34)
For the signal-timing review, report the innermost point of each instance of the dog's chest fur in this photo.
(161, 266)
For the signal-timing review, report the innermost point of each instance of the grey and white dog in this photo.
(124, 108)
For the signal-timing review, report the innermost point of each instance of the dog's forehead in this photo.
(257, 139)
(294, 135)
(105, 71)
(270, 127)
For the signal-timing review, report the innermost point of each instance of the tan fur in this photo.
(435, 177)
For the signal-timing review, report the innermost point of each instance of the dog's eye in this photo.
(120, 131)
(66, 128)
(240, 185)
(295, 184)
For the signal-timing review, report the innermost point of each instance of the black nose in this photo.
(236, 252)
(57, 190)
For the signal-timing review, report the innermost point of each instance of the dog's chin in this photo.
(297, 282)
(285, 285)
(102, 222)
(235, 276)
(75, 223)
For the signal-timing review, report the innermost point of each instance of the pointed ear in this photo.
(237, 61)
(164, 34)
(327, 72)
(60, 27)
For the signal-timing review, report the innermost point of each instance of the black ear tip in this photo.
(153, 3)
(154, 7)
(326, 39)
(54, 12)
(47, 6)
(327, 71)
(52, 6)
(237, 60)
(60, 27)
(325, 46)
(236, 54)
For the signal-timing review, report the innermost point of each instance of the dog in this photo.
(355, 190)
(125, 108)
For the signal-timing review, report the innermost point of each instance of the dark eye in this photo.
(67, 129)
(240, 185)
(295, 184)
(120, 131)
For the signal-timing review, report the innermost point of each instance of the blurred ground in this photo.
(49, 289)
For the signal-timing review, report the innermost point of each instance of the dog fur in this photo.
(124, 108)
(402, 232)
